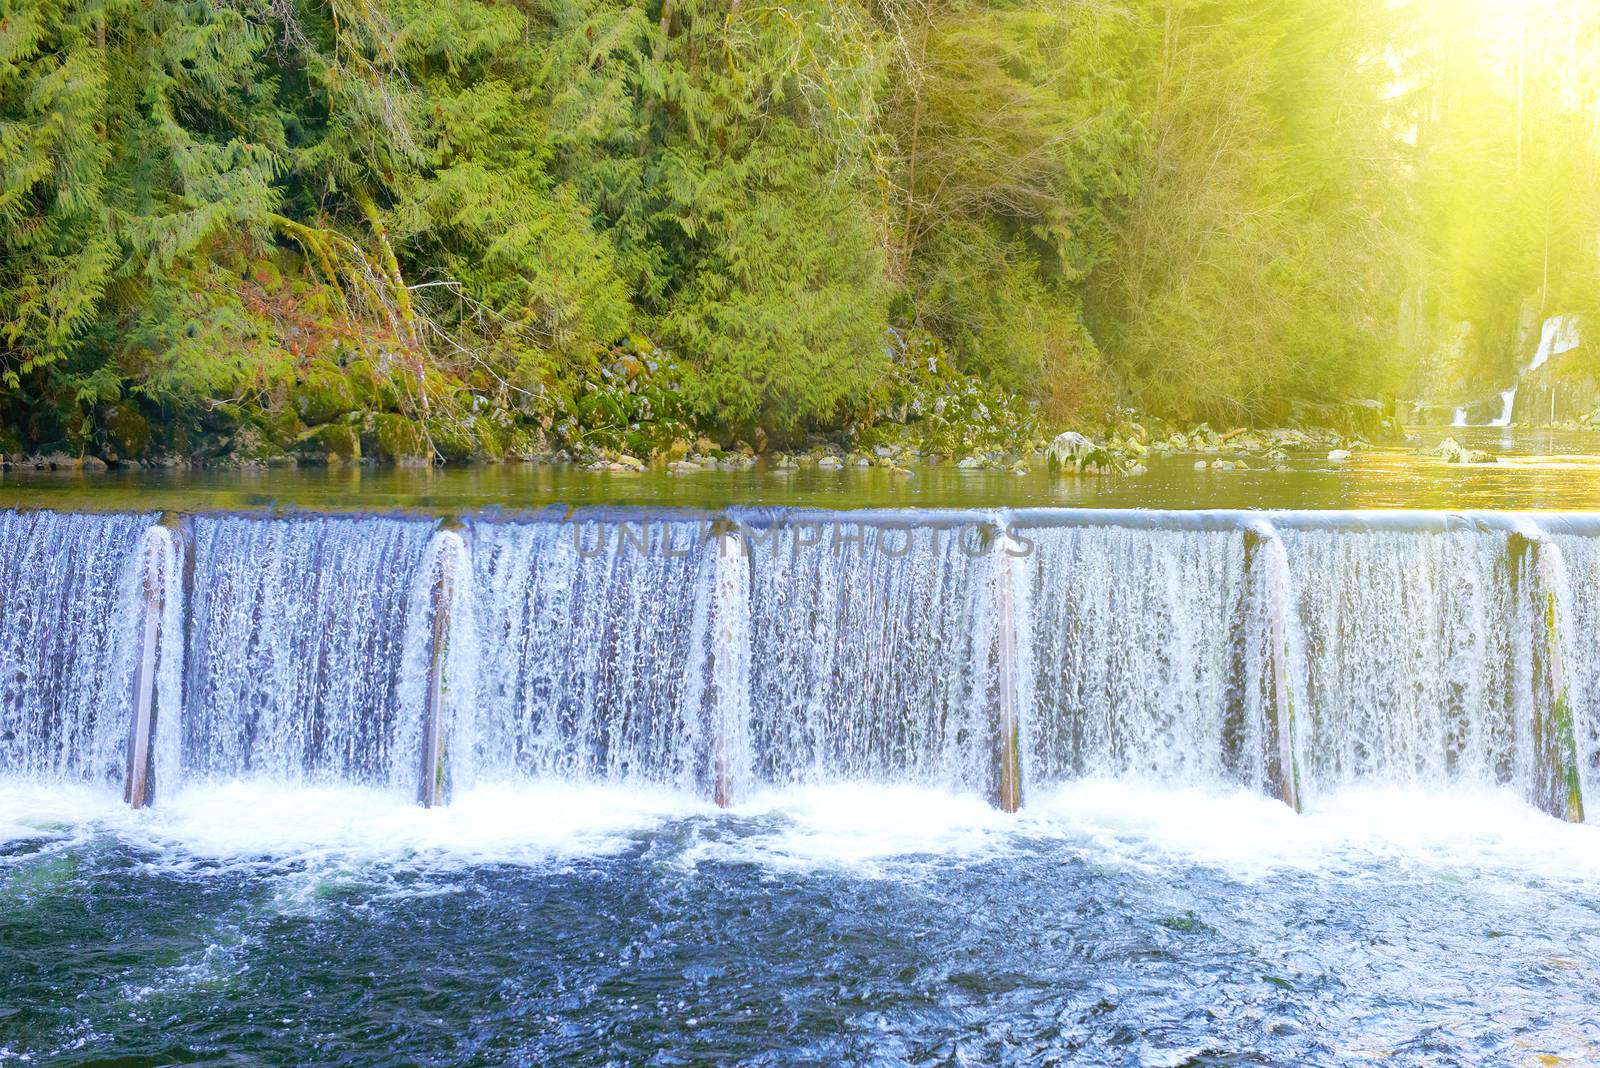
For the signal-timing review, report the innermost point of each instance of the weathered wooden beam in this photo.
(730, 657)
(1538, 571)
(1007, 713)
(1267, 569)
(157, 555)
(449, 555)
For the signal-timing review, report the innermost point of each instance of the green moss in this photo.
(367, 385)
(128, 430)
(453, 439)
(333, 441)
(1566, 742)
(490, 439)
(396, 439)
(524, 443)
(323, 393)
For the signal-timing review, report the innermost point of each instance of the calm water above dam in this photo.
(733, 791)
(1537, 470)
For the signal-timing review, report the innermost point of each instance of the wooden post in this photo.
(157, 554)
(1562, 743)
(729, 658)
(434, 781)
(136, 783)
(1267, 567)
(1557, 787)
(1007, 722)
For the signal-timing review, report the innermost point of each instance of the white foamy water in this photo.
(250, 822)
(1489, 836)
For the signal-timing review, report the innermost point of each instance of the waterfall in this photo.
(592, 642)
(1408, 643)
(295, 647)
(1508, 403)
(1292, 654)
(1135, 634)
(70, 606)
(871, 651)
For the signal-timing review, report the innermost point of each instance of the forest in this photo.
(413, 231)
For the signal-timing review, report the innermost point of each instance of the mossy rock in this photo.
(130, 431)
(331, 441)
(453, 439)
(370, 390)
(282, 426)
(524, 443)
(490, 437)
(323, 394)
(395, 439)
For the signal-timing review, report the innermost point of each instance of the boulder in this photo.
(1073, 451)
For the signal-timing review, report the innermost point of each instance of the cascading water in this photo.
(1136, 634)
(871, 651)
(1408, 655)
(1292, 653)
(295, 647)
(70, 603)
(593, 638)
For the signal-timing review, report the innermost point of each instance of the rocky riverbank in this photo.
(631, 413)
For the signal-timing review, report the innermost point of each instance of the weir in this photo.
(1290, 653)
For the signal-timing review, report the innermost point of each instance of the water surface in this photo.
(1537, 470)
(1112, 923)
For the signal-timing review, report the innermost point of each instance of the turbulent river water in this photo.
(1111, 923)
(728, 787)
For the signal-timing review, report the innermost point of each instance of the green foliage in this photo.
(941, 408)
(633, 402)
(1015, 141)
(1256, 262)
(487, 222)
(777, 298)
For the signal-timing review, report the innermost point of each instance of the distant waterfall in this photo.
(1289, 653)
